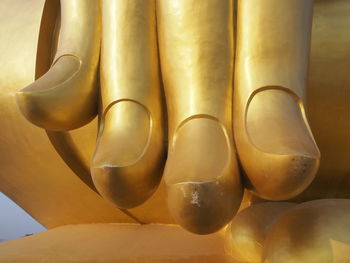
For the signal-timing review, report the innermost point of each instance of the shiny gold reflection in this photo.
(228, 81)
(196, 41)
(130, 152)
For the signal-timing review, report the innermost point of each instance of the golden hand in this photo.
(196, 47)
(130, 152)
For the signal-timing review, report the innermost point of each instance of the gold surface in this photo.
(122, 243)
(274, 141)
(275, 145)
(247, 232)
(32, 174)
(64, 98)
(130, 153)
(327, 106)
(201, 175)
(315, 231)
(328, 98)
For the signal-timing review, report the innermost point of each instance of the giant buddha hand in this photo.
(192, 49)
(130, 153)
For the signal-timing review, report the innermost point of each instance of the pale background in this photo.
(14, 221)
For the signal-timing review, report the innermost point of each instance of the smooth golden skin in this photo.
(274, 141)
(203, 121)
(65, 97)
(246, 234)
(205, 191)
(320, 239)
(130, 153)
(32, 174)
(201, 174)
(315, 231)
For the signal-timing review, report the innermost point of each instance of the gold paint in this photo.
(130, 153)
(196, 52)
(328, 108)
(329, 97)
(117, 243)
(201, 175)
(274, 142)
(32, 173)
(64, 98)
(315, 231)
(246, 234)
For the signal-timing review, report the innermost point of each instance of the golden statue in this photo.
(208, 94)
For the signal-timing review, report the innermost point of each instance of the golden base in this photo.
(116, 243)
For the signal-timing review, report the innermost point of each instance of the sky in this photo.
(14, 221)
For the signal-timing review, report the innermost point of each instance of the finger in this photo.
(66, 96)
(196, 50)
(272, 134)
(130, 154)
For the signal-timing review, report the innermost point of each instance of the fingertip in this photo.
(56, 100)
